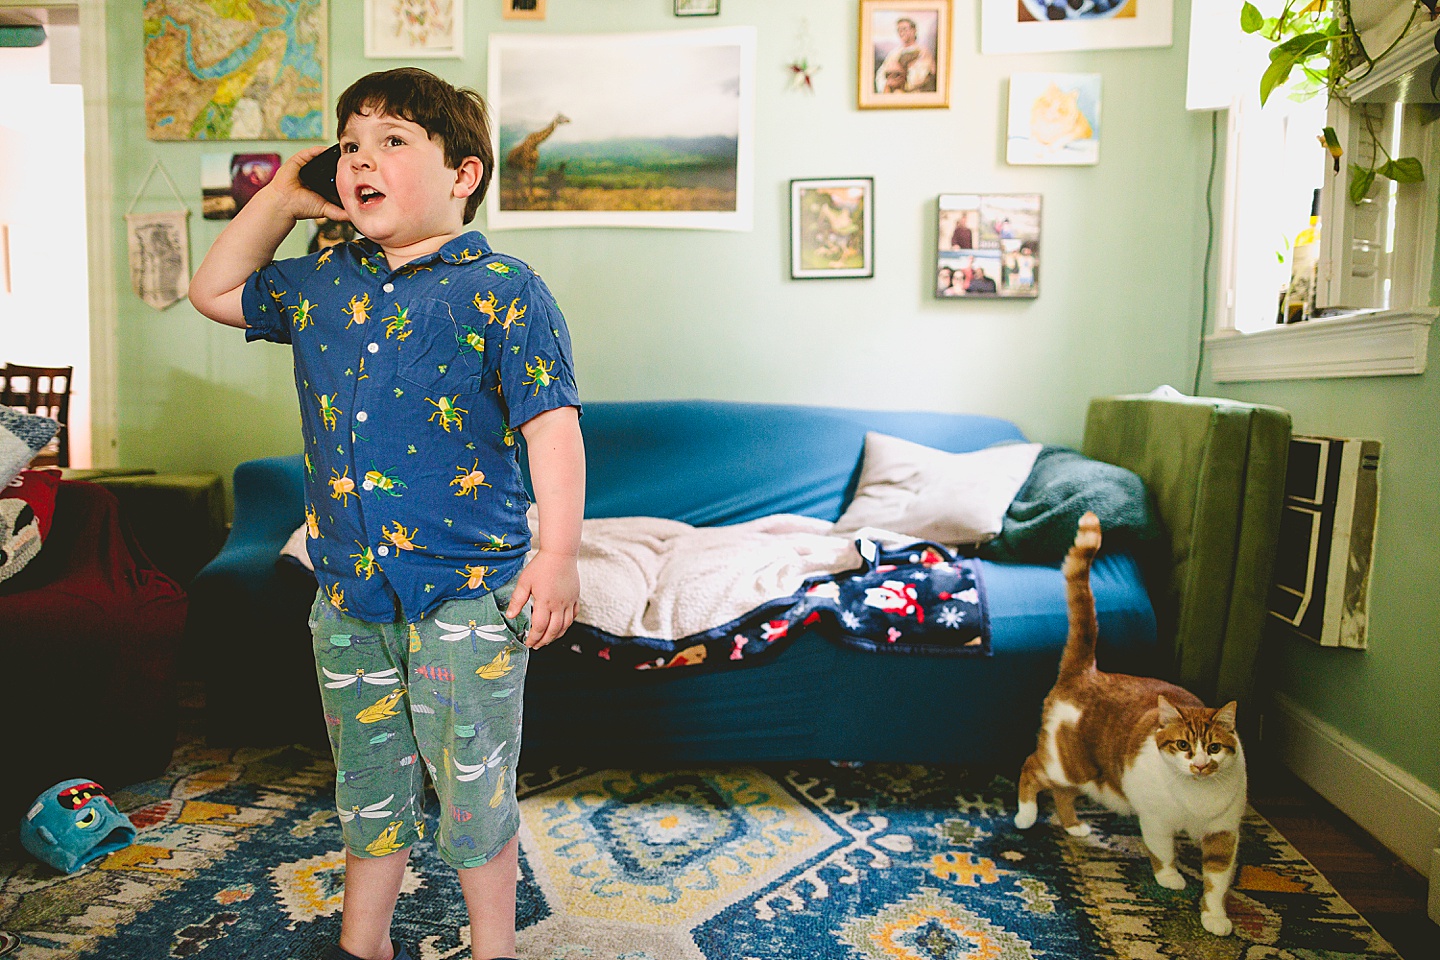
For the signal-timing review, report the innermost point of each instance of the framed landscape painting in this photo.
(1036, 26)
(832, 228)
(988, 246)
(623, 130)
(904, 53)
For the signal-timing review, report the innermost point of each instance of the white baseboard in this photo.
(1388, 803)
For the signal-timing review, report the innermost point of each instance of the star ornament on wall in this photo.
(802, 74)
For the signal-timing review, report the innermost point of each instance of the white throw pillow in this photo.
(950, 498)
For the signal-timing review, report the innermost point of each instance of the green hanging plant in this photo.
(1318, 39)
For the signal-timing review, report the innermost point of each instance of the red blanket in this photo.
(90, 630)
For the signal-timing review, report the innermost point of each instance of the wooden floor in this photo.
(1386, 891)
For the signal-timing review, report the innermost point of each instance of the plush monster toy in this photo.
(73, 823)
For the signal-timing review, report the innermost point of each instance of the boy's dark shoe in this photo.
(336, 953)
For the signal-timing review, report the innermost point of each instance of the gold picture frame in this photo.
(905, 53)
(522, 9)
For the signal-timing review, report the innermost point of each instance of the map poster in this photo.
(253, 72)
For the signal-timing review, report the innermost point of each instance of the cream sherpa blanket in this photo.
(648, 577)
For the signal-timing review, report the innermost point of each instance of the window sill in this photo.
(1393, 343)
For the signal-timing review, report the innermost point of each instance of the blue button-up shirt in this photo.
(411, 383)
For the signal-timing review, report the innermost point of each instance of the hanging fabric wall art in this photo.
(159, 248)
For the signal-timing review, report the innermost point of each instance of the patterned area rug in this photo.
(238, 856)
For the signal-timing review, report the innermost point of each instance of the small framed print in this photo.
(832, 228)
(522, 9)
(403, 29)
(904, 53)
(1054, 119)
(697, 8)
(988, 246)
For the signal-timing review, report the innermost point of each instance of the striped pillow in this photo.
(22, 435)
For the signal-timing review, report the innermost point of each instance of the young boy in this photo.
(417, 351)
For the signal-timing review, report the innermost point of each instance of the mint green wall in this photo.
(1388, 697)
(663, 314)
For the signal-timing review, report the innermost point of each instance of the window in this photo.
(1376, 258)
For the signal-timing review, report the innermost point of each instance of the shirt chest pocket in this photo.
(431, 352)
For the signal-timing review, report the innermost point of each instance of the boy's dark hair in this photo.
(454, 115)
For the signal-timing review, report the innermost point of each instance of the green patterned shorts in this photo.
(445, 691)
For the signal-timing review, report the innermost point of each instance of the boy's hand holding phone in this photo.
(296, 198)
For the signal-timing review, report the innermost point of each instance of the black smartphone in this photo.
(319, 174)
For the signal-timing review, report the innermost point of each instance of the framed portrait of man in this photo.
(904, 53)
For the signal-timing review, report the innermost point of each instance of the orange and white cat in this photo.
(1057, 120)
(1137, 745)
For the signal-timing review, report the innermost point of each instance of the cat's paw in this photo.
(1025, 815)
(1216, 923)
(1170, 879)
(1081, 829)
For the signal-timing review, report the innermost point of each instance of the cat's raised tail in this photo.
(1079, 655)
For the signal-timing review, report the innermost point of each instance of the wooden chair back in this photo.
(44, 391)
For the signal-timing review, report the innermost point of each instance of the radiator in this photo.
(1327, 536)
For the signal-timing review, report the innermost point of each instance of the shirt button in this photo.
(388, 288)
(373, 348)
(383, 551)
(362, 416)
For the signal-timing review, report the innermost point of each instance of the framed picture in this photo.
(988, 246)
(1054, 118)
(832, 228)
(403, 29)
(522, 9)
(1036, 26)
(697, 8)
(904, 53)
(260, 77)
(623, 130)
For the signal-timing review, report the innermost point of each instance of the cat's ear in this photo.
(1225, 716)
(1168, 713)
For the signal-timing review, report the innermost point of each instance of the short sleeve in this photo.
(536, 369)
(261, 303)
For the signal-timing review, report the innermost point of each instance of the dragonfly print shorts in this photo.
(446, 692)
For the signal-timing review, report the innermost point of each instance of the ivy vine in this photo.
(1318, 39)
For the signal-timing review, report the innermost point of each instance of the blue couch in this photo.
(709, 463)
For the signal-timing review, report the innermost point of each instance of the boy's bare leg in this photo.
(490, 899)
(372, 885)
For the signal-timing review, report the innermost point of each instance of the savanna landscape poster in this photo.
(639, 130)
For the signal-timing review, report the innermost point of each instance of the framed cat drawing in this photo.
(1054, 119)
(904, 53)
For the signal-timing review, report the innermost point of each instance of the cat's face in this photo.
(1197, 742)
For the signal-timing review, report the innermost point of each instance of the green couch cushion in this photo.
(1216, 469)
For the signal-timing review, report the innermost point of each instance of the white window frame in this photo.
(1387, 342)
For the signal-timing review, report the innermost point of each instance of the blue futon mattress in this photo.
(819, 700)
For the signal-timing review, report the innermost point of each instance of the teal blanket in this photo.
(1040, 524)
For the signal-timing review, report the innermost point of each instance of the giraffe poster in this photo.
(634, 130)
